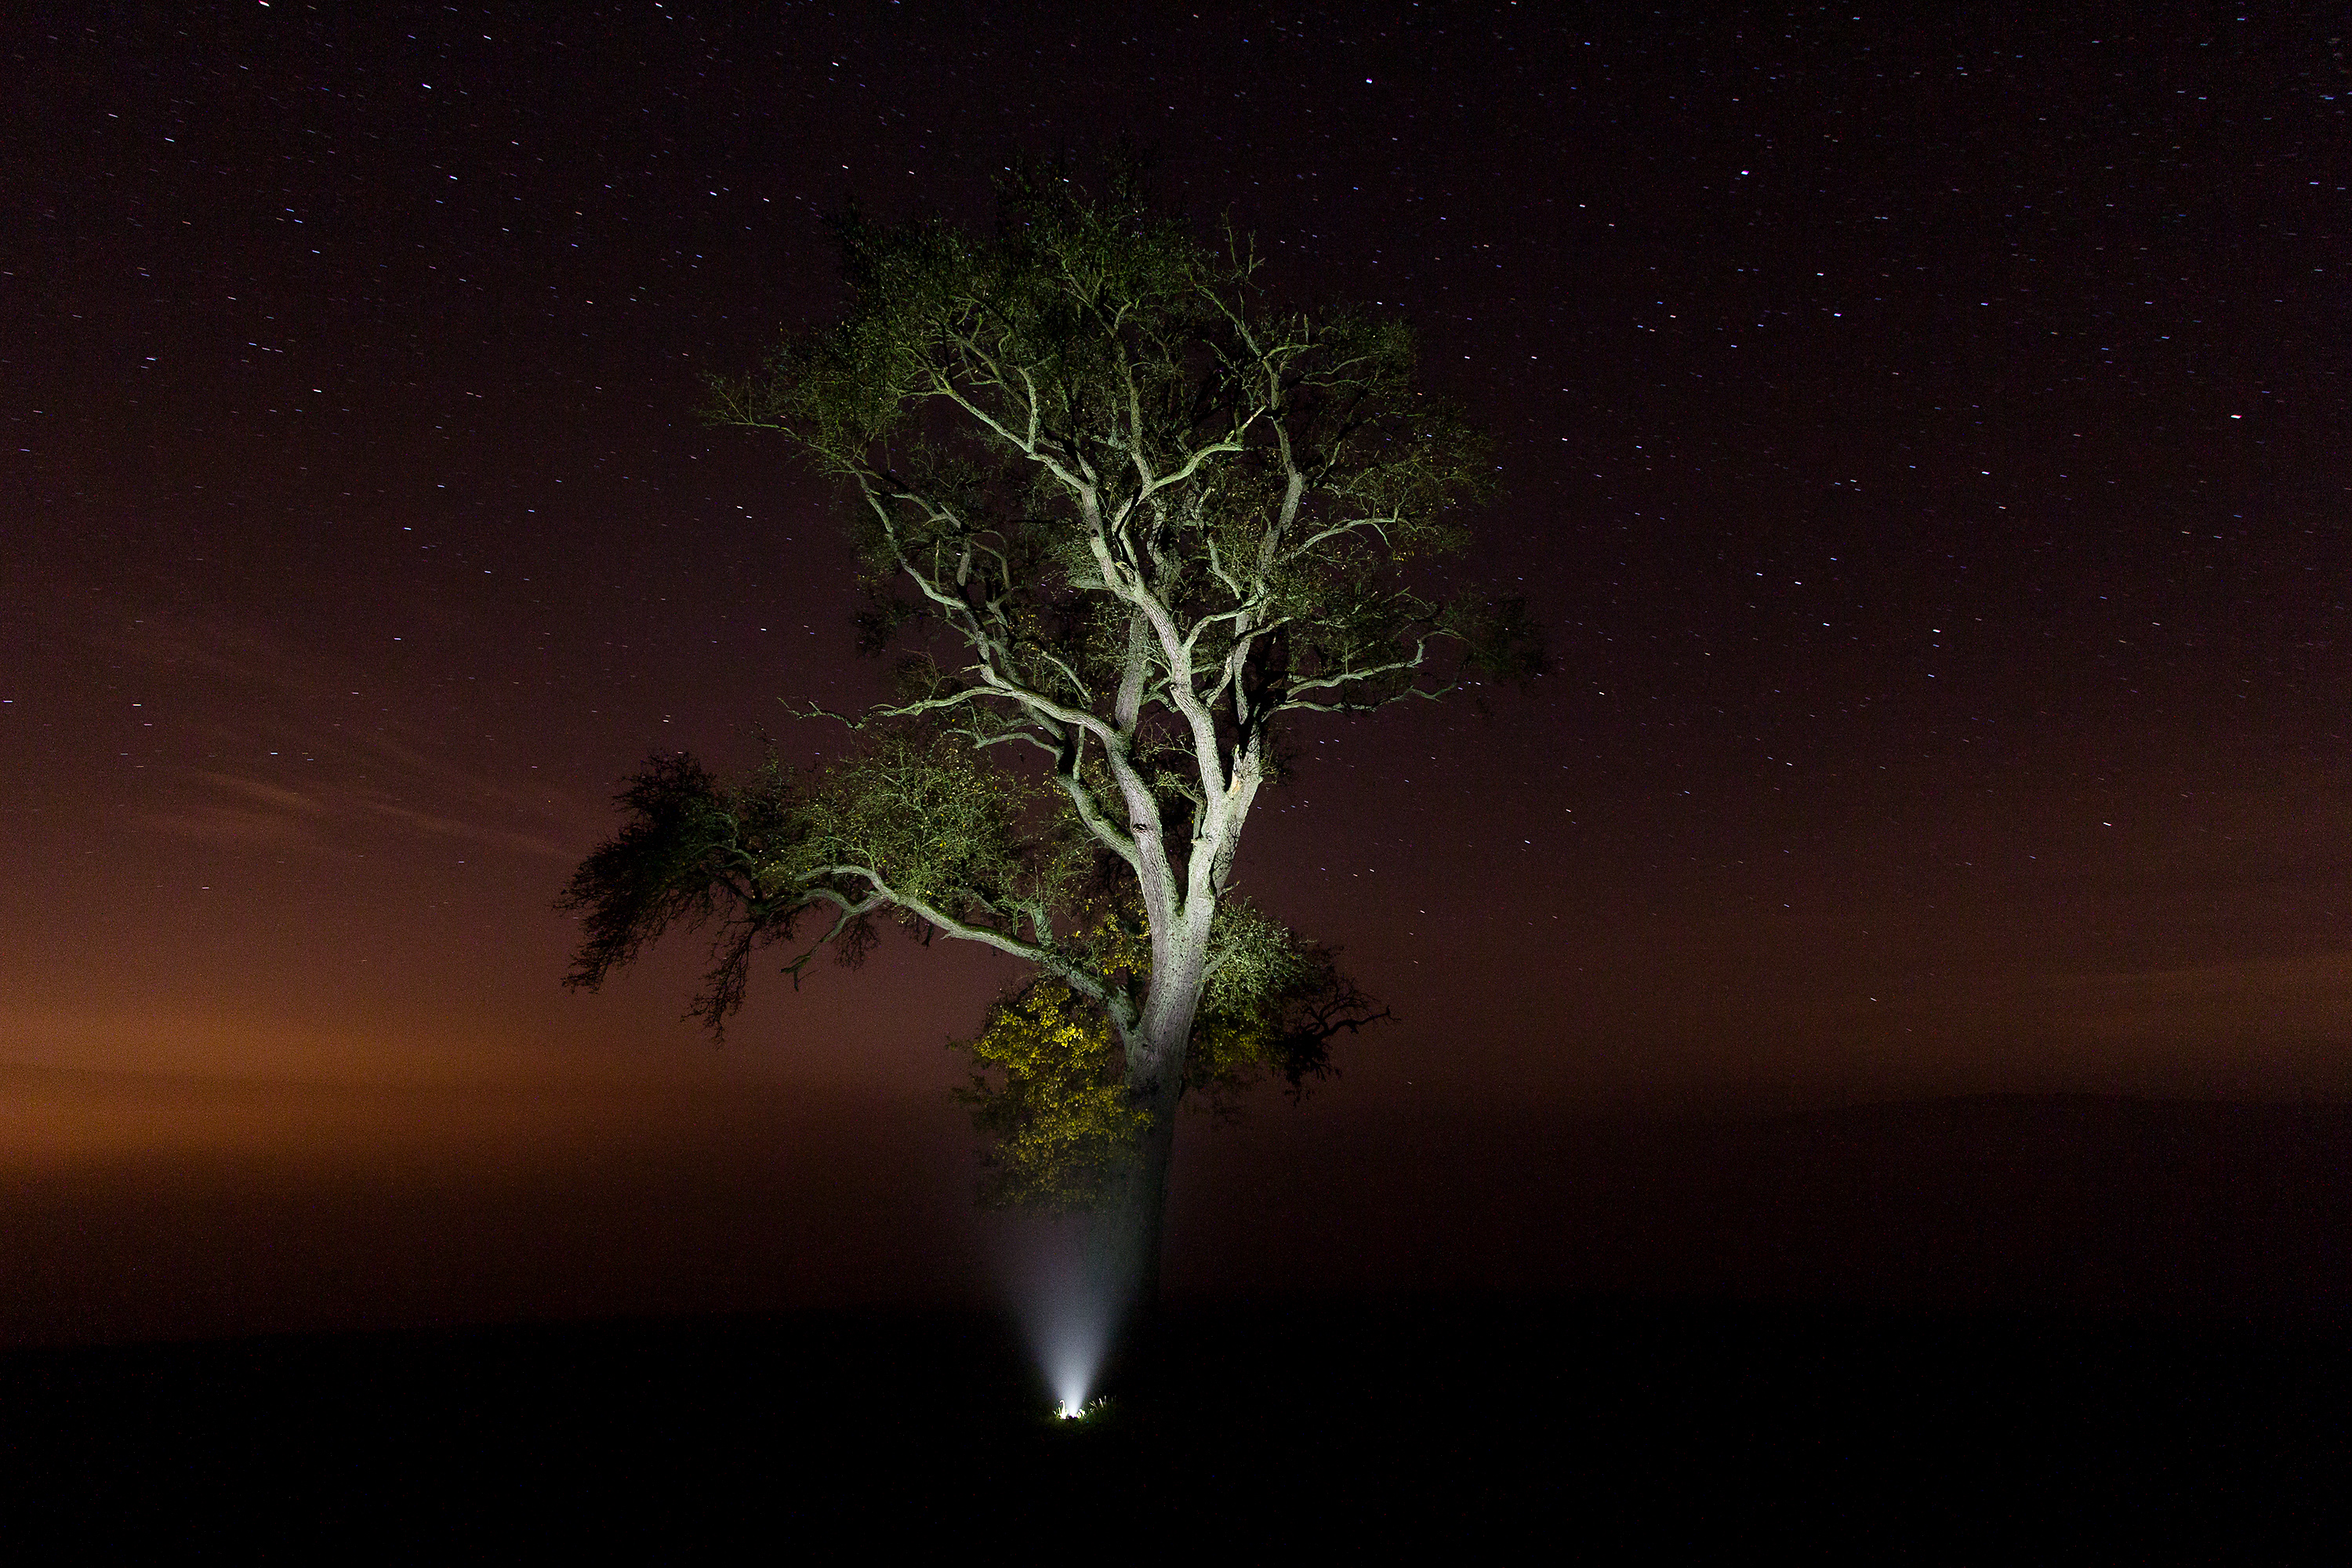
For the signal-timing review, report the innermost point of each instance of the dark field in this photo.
(1609, 1425)
(2005, 1329)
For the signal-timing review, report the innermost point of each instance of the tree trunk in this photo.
(1124, 1239)
(1125, 1235)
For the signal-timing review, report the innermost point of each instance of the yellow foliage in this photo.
(1049, 1086)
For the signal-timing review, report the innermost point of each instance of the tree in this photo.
(1133, 516)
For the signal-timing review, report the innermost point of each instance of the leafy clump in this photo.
(1047, 1088)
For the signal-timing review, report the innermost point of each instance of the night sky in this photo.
(1923, 446)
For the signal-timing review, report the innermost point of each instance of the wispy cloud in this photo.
(344, 780)
(250, 813)
(470, 832)
(2305, 992)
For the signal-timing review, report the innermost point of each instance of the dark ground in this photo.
(2007, 1328)
(1614, 1426)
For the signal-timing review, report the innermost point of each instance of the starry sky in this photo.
(1923, 447)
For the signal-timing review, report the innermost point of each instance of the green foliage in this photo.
(688, 852)
(928, 818)
(1044, 426)
(1271, 1007)
(914, 828)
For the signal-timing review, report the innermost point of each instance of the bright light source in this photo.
(1070, 1317)
(1072, 1367)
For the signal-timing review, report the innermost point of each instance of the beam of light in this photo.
(1065, 1310)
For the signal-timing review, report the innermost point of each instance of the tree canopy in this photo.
(1127, 515)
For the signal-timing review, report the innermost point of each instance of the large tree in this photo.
(1130, 516)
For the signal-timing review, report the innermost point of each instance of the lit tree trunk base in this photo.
(1124, 1234)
